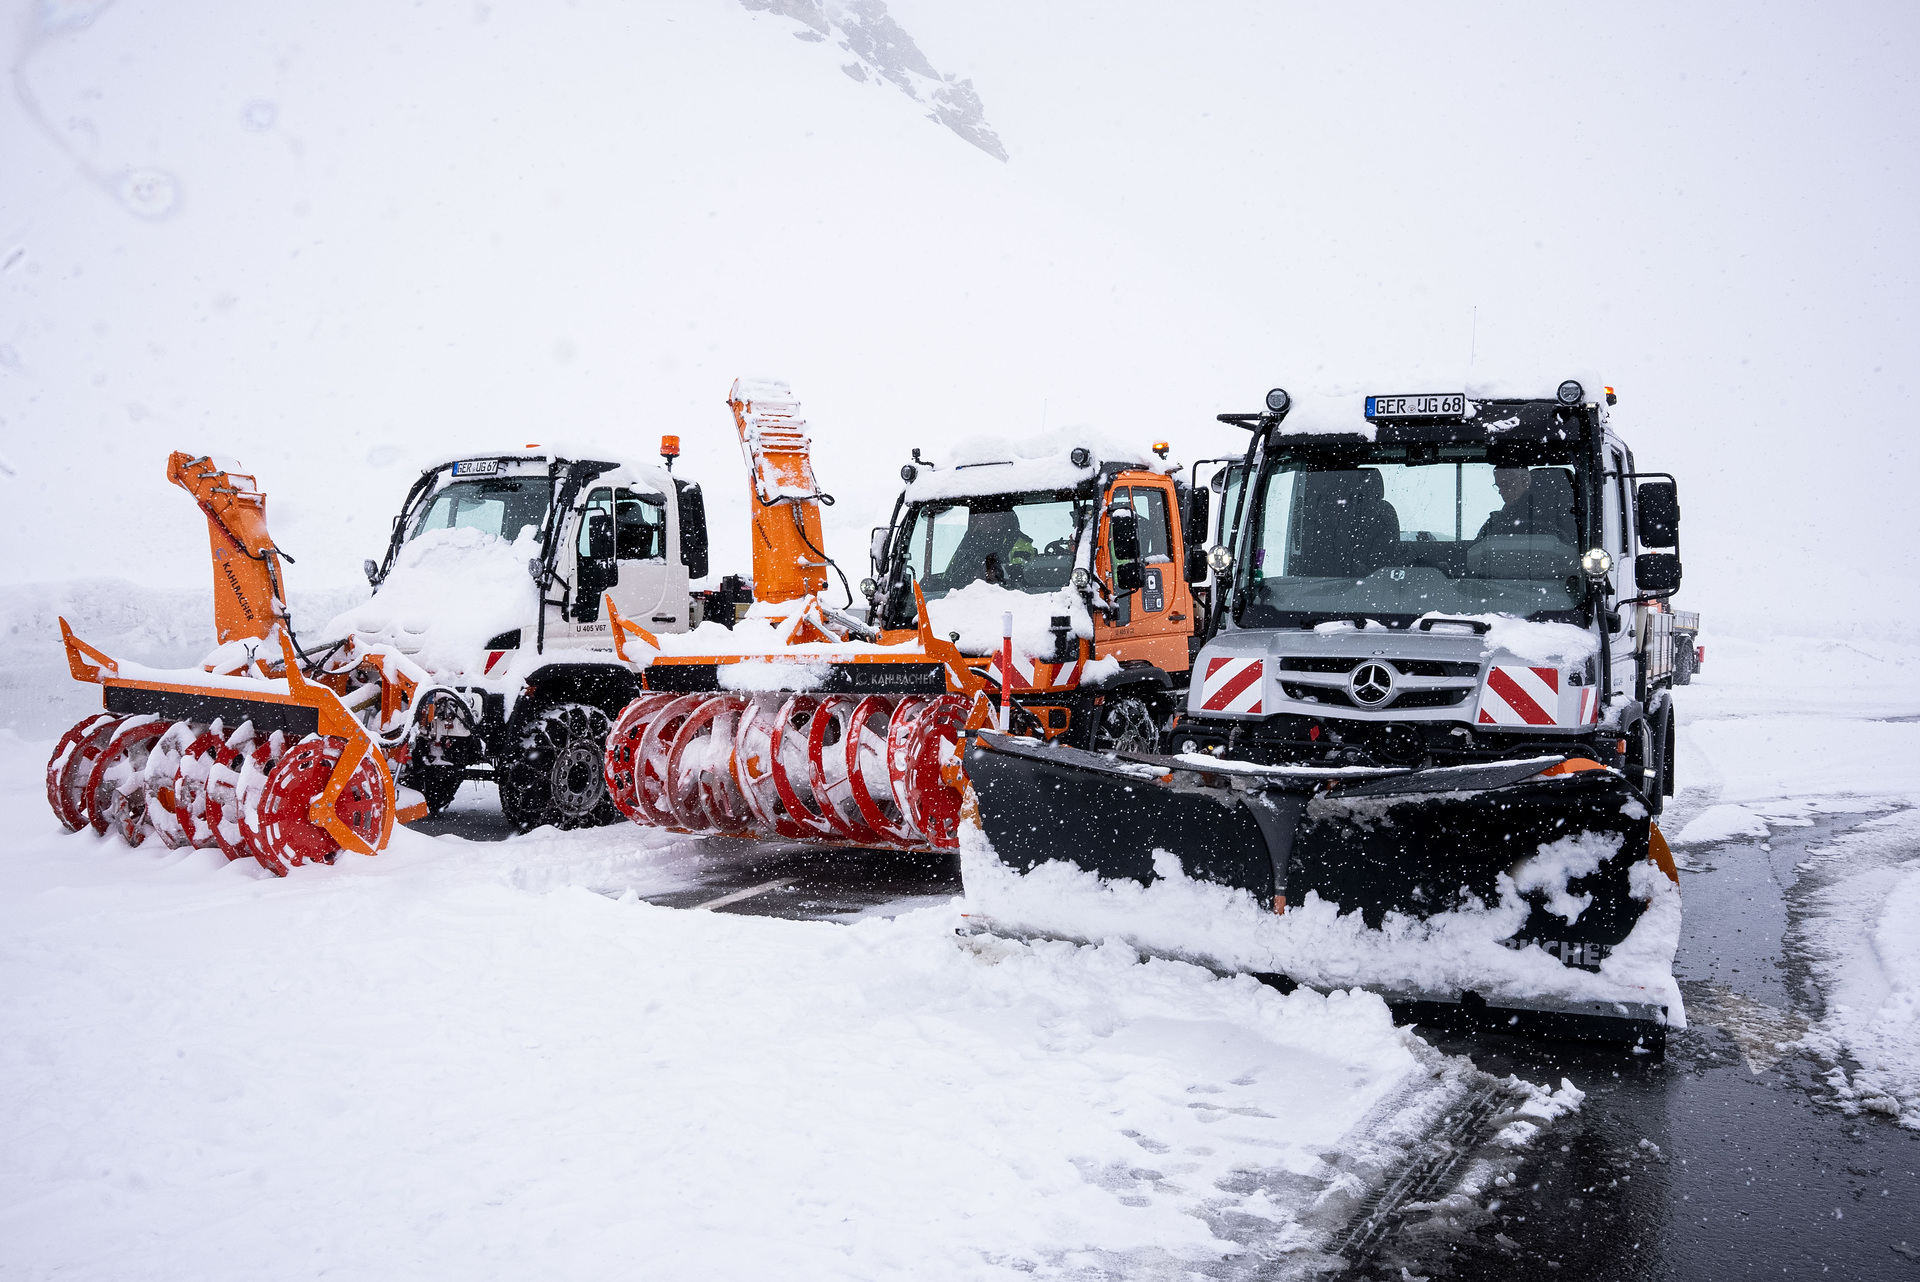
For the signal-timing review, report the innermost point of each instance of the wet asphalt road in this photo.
(1720, 1161)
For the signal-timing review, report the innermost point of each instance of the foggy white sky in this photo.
(336, 241)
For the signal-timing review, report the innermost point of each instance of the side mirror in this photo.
(877, 550)
(1194, 533)
(1656, 572)
(693, 528)
(372, 567)
(1123, 537)
(1658, 521)
(600, 536)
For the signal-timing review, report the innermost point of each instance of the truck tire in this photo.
(558, 775)
(1127, 724)
(1683, 659)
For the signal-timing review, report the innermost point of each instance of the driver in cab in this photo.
(1536, 501)
(994, 547)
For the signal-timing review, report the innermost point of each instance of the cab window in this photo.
(639, 523)
(1153, 521)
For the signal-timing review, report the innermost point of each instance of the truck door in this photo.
(1154, 622)
(1617, 536)
(652, 590)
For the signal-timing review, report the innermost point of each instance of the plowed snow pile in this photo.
(456, 1061)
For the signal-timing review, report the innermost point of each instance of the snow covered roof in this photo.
(998, 465)
(1342, 409)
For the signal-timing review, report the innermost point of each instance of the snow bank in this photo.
(156, 627)
(489, 1070)
(1317, 945)
(447, 594)
(1862, 931)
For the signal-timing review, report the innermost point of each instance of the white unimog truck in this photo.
(494, 581)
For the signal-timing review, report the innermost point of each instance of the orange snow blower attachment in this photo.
(788, 564)
(247, 597)
(261, 752)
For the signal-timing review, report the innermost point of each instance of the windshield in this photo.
(1392, 540)
(1020, 541)
(499, 505)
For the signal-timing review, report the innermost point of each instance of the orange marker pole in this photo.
(1006, 673)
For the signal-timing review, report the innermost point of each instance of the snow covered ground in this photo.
(470, 1060)
(1774, 732)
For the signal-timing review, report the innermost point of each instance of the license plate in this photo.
(1420, 405)
(477, 467)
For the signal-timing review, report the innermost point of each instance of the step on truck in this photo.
(1435, 680)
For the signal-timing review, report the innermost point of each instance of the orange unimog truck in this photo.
(1047, 589)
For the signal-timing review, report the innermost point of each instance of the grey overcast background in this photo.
(337, 241)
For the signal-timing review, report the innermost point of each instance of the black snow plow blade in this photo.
(1412, 842)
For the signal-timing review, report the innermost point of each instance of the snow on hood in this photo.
(1562, 644)
(999, 465)
(975, 611)
(449, 592)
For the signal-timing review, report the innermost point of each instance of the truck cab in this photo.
(1439, 579)
(1091, 555)
(496, 576)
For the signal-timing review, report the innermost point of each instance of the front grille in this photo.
(1296, 664)
(1436, 668)
(1430, 699)
(1405, 667)
(1335, 697)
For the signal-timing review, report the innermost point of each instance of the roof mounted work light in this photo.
(1081, 456)
(1571, 393)
(1278, 400)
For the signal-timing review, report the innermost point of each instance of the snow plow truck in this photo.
(1428, 733)
(1043, 590)
(485, 652)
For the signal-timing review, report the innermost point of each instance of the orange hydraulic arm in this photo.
(788, 564)
(247, 597)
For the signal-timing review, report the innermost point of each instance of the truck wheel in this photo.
(1127, 724)
(559, 776)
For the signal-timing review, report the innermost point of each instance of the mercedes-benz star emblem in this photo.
(1371, 684)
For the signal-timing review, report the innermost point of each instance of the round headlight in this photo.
(1596, 563)
(1189, 745)
(907, 472)
(1081, 456)
(1080, 578)
(869, 589)
(1571, 393)
(1278, 400)
(1220, 559)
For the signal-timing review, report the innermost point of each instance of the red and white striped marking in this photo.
(1589, 706)
(1231, 685)
(1031, 674)
(1520, 696)
(493, 660)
